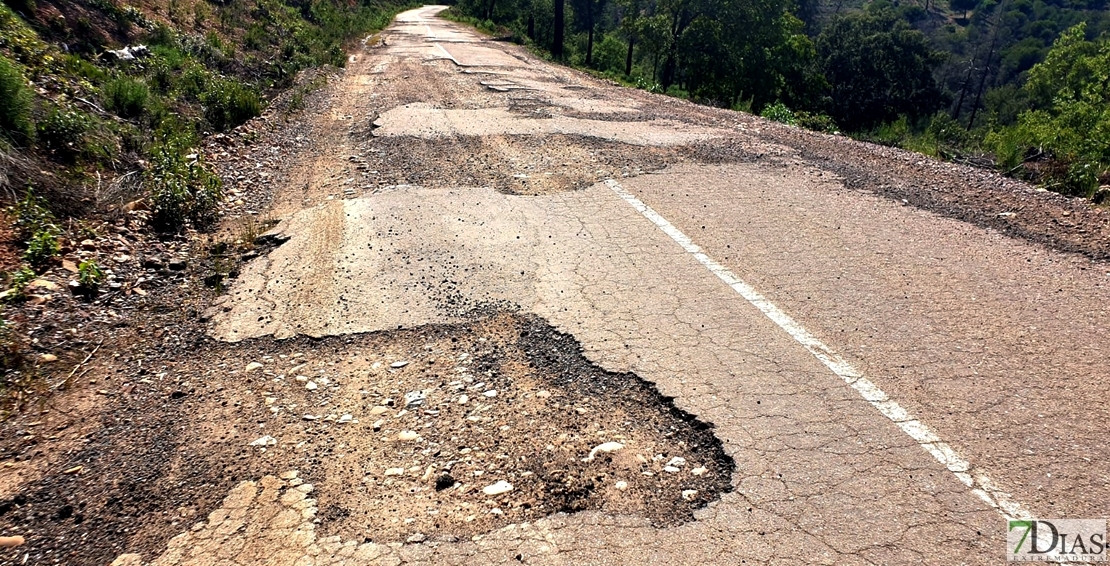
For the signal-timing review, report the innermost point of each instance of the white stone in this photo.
(395, 472)
(699, 471)
(311, 386)
(498, 488)
(407, 435)
(264, 441)
(689, 494)
(621, 485)
(253, 366)
(603, 447)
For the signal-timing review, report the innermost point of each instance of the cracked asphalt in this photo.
(452, 175)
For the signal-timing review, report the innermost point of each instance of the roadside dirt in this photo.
(503, 399)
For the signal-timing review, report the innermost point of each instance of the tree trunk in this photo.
(590, 47)
(963, 90)
(628, 57)
(986, 70)
(532, 27)
(590, 33)
(557, 44)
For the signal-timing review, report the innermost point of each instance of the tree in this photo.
(964, 6)
(878, 69)
(1070, 124)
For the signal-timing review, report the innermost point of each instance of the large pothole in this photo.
(505, 422)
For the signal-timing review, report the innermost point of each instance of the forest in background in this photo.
(1020, 85)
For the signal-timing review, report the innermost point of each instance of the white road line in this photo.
(449, 56)
(976, 479)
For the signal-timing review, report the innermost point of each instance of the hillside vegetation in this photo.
(1021, 85)
(103, 101)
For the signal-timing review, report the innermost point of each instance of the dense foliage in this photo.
(970, 80)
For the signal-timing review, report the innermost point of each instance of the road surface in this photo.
(890, 384)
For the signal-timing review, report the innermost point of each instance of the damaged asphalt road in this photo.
(510, 312)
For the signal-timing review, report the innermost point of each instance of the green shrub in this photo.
(892, 133)
(89, 275)
(30, 214)
(19, 280)
(183, 190)
(194, 82)
(63, 132)
(779, 113)
(43, 245)
(126, 97)
(229, 103)
(816, 122)
(15, 105)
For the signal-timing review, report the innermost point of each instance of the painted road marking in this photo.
(980, 484)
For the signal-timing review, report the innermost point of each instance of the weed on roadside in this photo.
(183, 189)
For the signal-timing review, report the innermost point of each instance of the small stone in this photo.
(491, 393)
(379, 410)
(253, 366)
(44, 284)
(178, 264)
(290, 475)
(689, 494)
(603, 447)
(496, 511)
(311, 386)
(444, 481)
(621, 485)
(89, 245)
(416, 538)
(12, 542)
(264, 441)
(463, 399)
(498, 488)
(301, 378)
(398, 365)
(414, 399)
(543, 394)
(48, 358)
(378, 424)
(406, 435)
(395, 472)
(311, 417)
(671, 469)
(699, 471)
(677, 462)
(345, 419)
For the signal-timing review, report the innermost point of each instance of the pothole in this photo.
(455, 430)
